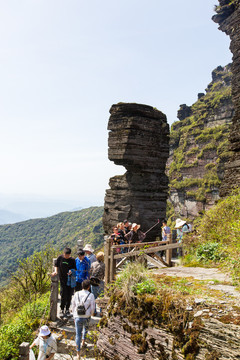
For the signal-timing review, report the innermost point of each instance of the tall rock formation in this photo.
(199, 147)
(138, 140)
(228, 17)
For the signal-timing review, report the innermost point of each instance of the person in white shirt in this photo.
(47, 344)
(85, 298)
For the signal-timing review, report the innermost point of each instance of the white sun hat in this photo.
(134, 224)
(44, 331)
(179, 223)
(88, 247)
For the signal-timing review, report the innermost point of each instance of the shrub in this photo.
(144, 287)
(208, 251)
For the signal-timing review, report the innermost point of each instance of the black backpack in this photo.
(81, 310)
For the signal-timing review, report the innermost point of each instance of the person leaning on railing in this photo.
(135, 235)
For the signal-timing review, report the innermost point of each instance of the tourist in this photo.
(116, 238)
(122, 233)
(182, 227)
(97, 273)
(89, 253)
(86, 300)
(135, 235)
(47, 344)
(126, 226)
(83, 265)
(165, 230)
(63, 266)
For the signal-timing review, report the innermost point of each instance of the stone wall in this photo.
(138, 140)
(199, 149)
(228, 15)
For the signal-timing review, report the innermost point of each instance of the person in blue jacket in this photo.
(83, 266)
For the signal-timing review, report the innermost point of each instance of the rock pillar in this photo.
(138, 140)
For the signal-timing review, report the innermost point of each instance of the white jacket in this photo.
(78, 299)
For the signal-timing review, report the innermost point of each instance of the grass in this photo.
(217, 238)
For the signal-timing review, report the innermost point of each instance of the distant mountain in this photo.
(8, 217)
(18, 241)
(32, 209)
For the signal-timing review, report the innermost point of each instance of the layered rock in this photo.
(138, 140)
(228, 15)
(199, 147)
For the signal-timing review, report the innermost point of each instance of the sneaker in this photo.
(67, 313)
(62, 314)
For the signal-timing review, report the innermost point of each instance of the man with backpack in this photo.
(83, 306)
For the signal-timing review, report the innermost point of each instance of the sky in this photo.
(63, 63)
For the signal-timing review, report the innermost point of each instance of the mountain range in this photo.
(22, 239)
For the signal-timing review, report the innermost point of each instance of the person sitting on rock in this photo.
(135, 235)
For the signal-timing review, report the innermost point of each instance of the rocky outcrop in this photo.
(115, 342)
(199, 147)
(228, 14)
(138, 140)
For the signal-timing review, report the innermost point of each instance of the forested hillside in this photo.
(20, 240)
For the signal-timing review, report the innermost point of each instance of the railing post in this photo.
(169, 251)
(24, 351)
(112, 265)
(107, 246)
(54, 295)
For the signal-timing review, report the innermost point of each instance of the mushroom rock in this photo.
(139, 141)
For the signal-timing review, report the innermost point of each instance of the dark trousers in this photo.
(66, 293)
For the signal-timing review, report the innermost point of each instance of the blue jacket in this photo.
(83, 268)
(71, 281)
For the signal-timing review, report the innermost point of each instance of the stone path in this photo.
(64, 331)
(195, 272)
(198, 273)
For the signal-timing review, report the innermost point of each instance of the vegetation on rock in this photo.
(199, 143)
(217, 238)
(25, 303)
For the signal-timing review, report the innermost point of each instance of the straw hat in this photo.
(134, 224)
(88, 247)
(44, 331)
(179, 223)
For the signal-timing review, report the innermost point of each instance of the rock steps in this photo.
(64, 332)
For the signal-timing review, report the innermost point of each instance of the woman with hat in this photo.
(47, 344)
(89, 253)
(181, 227)
(135, 235)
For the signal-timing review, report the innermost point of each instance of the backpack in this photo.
(81, 310)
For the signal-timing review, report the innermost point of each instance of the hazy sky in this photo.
(63, 63)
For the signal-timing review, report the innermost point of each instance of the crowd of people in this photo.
(126, 233)
(82, 282)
